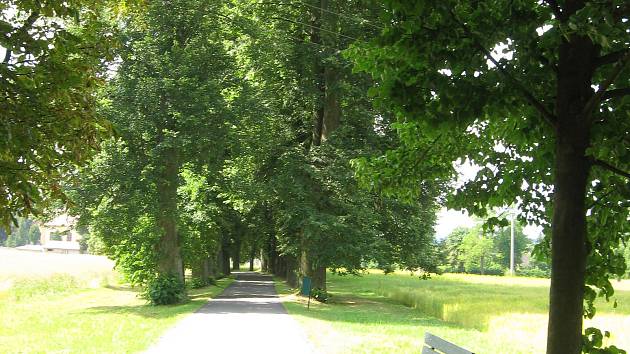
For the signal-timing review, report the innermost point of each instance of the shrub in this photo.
(534, 272)
(492, 269)
(212, 281)
(165, 290)
(196, 283)
(320, 295)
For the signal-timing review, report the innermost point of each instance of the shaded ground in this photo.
(250, 304)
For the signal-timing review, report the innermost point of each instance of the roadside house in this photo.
(60, 235)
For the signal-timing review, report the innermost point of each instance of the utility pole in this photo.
(512, 243)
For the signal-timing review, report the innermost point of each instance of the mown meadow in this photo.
(378, 313)
(45, 306)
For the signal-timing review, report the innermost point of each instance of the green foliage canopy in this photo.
(55, 54)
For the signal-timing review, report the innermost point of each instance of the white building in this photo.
(60, 235)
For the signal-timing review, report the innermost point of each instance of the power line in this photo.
(356, 19)
(361, 20)
(319, 28)
(335, 49)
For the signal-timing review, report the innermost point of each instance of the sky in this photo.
(449, 219)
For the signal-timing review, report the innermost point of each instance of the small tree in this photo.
(34, 235)
(477, 251)
(452, 248)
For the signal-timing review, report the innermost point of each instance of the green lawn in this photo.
(389, 314)
(59, 314)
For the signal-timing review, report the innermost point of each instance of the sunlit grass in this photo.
(75, 304)
(107, 319)
(485, 314)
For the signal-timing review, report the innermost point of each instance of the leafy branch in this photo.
(611, 58)
(30, 20)
(546, 114)
(616, 93)
(556, 9)
(609, 167)
(599, 95)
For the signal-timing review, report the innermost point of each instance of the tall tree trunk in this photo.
(319, 71)
(317, 273)
(213, 270)
(291, 272)
(252, 256)
(201, 270)
(332, 106)
(568, 239)
(326, 113)
(236, 256)
(169, 254)
(225, 257)
(219, 261)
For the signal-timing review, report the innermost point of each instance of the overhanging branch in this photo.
(30, 20)
(605, 165)
(599, 95)
(616, 93)
(611, 58)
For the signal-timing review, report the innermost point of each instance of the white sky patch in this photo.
(501, 51)
(449, 219)
(541, 30)
(446, 72)
(466, 171)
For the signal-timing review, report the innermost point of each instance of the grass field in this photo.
(389, 314)
(81, 308)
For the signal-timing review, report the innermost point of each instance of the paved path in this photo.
(248, 317)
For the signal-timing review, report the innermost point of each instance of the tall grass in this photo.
(486, 303)
(24, 288)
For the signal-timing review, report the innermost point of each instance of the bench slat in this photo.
(427, 350)
(440, 344)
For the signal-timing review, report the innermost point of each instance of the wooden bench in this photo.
(436, 345)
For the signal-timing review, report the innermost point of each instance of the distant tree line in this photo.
(474, 250)
(26, 232)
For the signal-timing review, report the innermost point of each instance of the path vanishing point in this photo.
(248, 317)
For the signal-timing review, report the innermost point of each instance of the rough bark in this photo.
(317, 273)
(326, 114)
(568, 240)
(269, 247)
(291, 272)
(264, 262)
(319, 72)
(219, 261)
(169, 253)
(201, 270)
(332, 105)
(225, 257)
(213, 270)
(252, 257)
(236, 256)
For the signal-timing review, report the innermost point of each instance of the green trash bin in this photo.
(306, 286)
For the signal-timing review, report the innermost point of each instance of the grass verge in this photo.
(57, 315)
(389, 314)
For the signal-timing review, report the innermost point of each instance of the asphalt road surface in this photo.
(248, 317)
